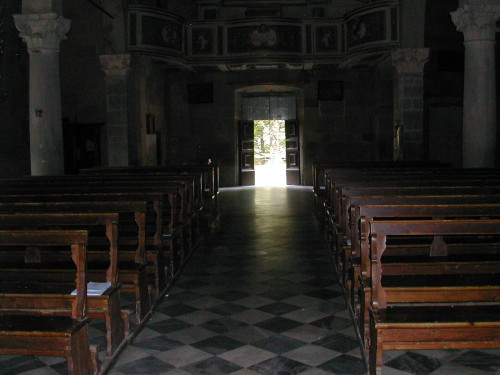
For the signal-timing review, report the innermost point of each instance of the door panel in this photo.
(292, 152)
(247, 169)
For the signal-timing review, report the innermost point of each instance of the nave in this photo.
(260, 296)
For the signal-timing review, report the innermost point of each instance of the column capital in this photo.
(116, 64)
(410, 60)
(42, 31)
(477, 22)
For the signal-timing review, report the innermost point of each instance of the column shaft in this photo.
(478, 23)
(43, 34)
(46, 139)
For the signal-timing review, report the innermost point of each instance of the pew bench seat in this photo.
(429, 288)
(132, 277)
(35, 297)
(50, 335)
(432, 327)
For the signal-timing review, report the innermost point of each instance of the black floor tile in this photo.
(176, 310)
(212, 366)
(218, 344)
(344, 365)
(278, 308)
(160, 343)
(20, 364)
(279, 366)
(278, 324)
(227, 309)
(323, 294)
(278, 294)
(146, 366)
(338, 342)
(61, 368)
(479, 360)
(279, 344)
(414, 363)
(333, 323)
(223, 325)
(230, 295)
(168, 325)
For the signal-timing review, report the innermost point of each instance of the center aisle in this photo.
(259, 297)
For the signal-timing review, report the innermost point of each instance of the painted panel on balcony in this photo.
(163, 33)
(365, 28)
(202, 41)
(327, 39)
(277, 38)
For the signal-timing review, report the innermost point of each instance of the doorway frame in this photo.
(268, 89)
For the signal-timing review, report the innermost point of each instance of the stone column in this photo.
(409, 102)
(478, 24)
(43, 34)
(116, 67)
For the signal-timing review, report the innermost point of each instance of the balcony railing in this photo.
(361, 37)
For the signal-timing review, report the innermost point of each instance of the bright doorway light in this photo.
(270, 153)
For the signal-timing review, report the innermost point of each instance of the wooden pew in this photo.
(179, 189)
(210, 175)
(442, 259)
(323, 172)
(348, 241)
(345, 195)
(429, 325)
(132, 259)
(17, 295)
(49, 334)
(203, 181)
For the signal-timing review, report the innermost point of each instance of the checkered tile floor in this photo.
(260, 297)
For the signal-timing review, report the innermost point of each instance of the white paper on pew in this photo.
(95, 288)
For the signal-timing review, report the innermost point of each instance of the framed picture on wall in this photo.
(200, 93)
(331, 90)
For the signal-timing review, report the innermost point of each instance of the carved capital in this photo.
(115, 65)
(42, 32)
(410, 60)
(477, 22)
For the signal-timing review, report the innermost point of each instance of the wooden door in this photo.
(292, 152)
(247, 168)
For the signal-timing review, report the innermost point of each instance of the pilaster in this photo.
(409, 103)
(116, 67)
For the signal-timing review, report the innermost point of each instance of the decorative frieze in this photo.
(42, 32)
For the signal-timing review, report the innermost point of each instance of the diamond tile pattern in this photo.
(259, 297)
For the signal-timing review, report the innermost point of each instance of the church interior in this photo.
(138, 117)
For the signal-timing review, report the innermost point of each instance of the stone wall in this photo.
(14, 120)
(83, 85)
(355, 127)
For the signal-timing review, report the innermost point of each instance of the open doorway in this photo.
(270, 152)
(253, 152)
